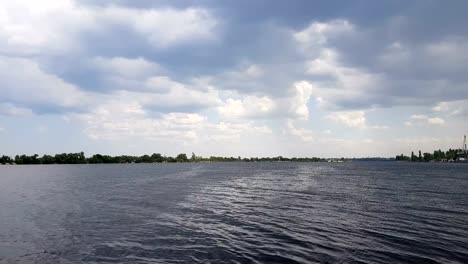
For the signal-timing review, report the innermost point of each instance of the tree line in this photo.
(80, 158)
(437, 155)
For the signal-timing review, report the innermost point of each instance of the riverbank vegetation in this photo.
(80, 158)
(437, 155)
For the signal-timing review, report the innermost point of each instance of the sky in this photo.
(249, 78)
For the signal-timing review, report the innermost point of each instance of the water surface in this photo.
(360, 212)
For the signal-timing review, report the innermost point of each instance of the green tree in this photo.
(402, 158)
(428, 157)
(156, 157)
(5, 160)
(182, 157)
(47, 159)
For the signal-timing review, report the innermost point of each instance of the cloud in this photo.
(449, 53)
(292, 105)
(9, 109)
(299, 103)
(337, 85)
(244, 78)
(121, 73)
(51, 26)
(164, 27)
(415, 61)
(419, 117)
(436, 121)
(319, 33)
(227, 131)
(208, 73)
(254, 71)
(119, 120)
(248, 107)
(24, 84)
(175, 98)
(180, 96)
(303, 134)
(343, 87)
(397, 73)
(146, 81)
(182, 118)
(25, 88)
(453, 108)
(425, 119)
(353, 119)
(56, 27)
(129, 68)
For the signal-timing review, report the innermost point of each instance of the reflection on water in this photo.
(234, 213)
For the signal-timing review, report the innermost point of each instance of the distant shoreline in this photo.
(80, 158)
(451, 156)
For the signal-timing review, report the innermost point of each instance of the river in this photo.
(271, 212)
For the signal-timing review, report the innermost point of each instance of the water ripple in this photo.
(235, 213)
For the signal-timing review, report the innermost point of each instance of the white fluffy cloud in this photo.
(418, 119)
(436, 121)
(452, 108)
(181, 95)
(248, 107)
(33, 27)
(25, 87)
(318, 33)
(23, 82)
(163, 27)
(122, 73)
(292, 105)
(399, 74)
(335, 84)
(53, 26)
(117, 120)
(173, 98)
(353, 119)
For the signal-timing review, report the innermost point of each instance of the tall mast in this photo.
(464, 146)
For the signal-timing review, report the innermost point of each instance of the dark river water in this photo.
(360, 212)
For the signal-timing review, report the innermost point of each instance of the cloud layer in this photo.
(198, 76)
